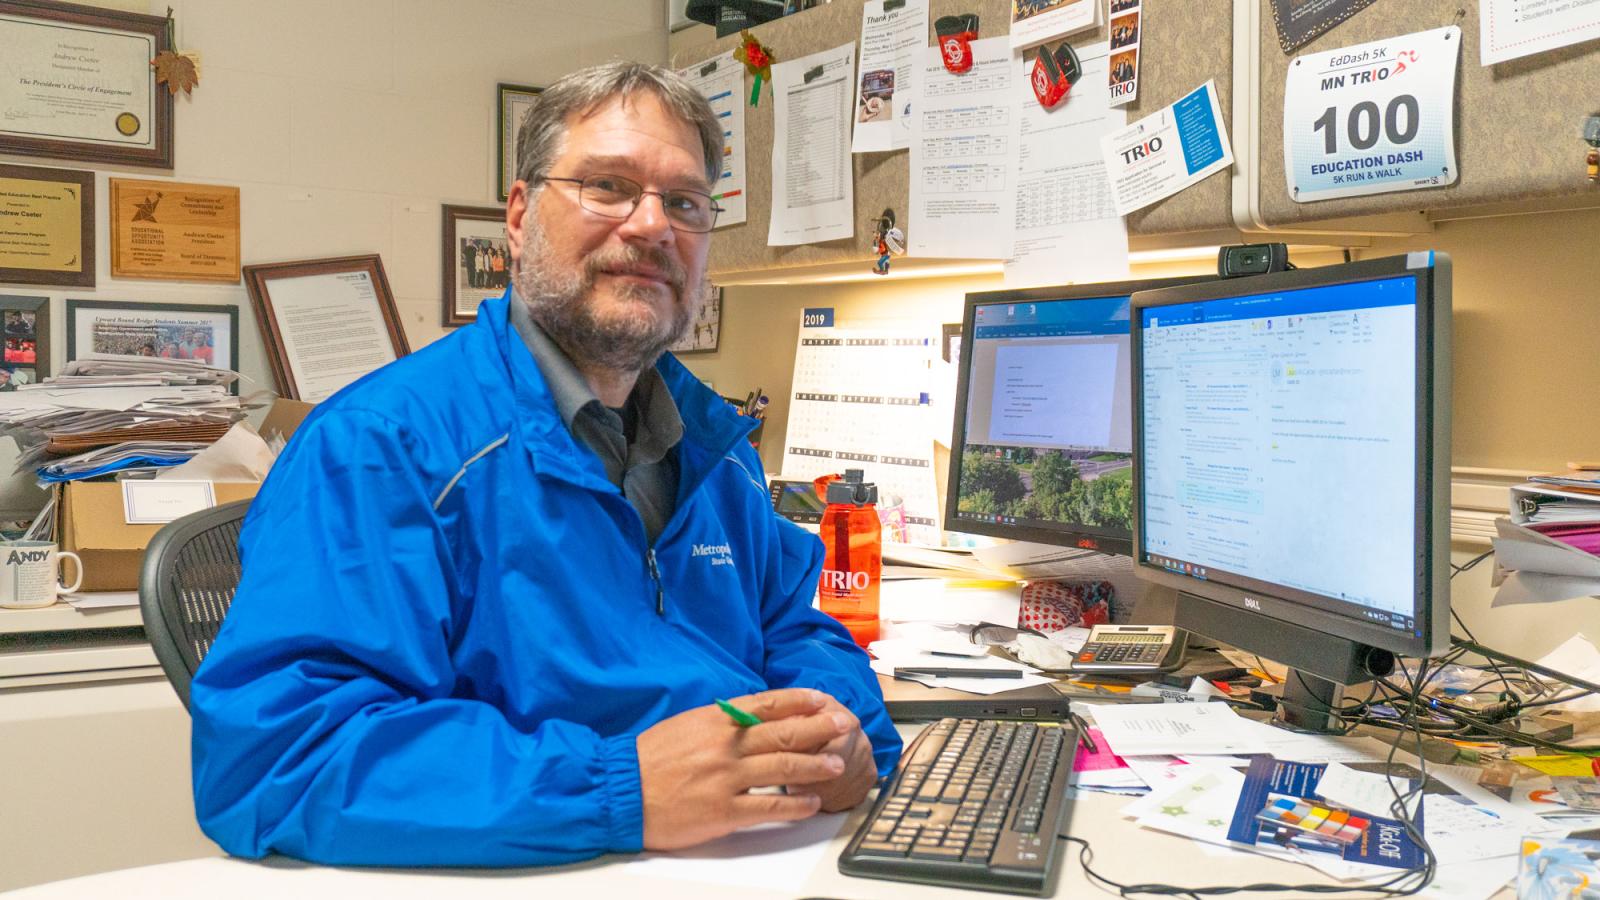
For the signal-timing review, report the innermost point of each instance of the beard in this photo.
(628, 338)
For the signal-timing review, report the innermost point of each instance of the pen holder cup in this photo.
(892, 516)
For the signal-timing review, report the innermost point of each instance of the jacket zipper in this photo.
(655, 575)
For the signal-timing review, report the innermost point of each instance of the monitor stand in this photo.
(1306, 702)
(1320, 663)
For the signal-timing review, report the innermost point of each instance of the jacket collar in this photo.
(710, 426)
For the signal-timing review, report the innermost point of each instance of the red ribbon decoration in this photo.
(757, 61)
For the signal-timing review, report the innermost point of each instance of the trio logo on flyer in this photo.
(1140, 151)
(1374, 65)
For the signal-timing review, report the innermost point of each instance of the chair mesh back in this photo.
(203, 581)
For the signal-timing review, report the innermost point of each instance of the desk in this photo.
(1123, 851)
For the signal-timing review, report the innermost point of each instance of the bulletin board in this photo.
(1517, 126)
(1180, 49)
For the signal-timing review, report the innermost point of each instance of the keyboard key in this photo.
(951, 853)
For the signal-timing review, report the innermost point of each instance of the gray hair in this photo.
(581, 93)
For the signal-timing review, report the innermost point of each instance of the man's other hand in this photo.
(697, 767)
(849, 787)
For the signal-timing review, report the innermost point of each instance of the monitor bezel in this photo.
(1430, 575)
(1105, 540)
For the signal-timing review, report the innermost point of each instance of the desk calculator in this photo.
(1130, 649)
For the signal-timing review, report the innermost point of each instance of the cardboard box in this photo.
(283, 417)
(93, 525)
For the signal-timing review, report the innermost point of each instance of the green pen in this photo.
(744, 719)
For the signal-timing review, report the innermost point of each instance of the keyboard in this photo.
(974, 803)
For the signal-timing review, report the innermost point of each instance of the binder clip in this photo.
(1591, 136)
(956, 34)
(887, 240)
(1055, 71)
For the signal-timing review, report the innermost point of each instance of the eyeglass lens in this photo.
(617, 197)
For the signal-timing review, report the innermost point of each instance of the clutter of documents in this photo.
(118, 414)
(1548, 548)
(1200, 771)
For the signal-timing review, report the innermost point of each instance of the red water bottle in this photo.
(854, 562)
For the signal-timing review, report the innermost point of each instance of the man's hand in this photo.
(696, 768)
(860, 773)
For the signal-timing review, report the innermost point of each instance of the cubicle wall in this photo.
(1172, 68)
(1518, 123)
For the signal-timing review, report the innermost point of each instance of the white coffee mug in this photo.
(28, 572)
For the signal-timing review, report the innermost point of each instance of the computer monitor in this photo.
(1043, 437)
(1292, 465)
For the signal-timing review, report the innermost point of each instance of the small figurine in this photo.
(887, 240)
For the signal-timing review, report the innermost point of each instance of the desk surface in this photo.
(1123, 851)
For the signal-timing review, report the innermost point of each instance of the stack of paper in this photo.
(1550, 544)
(117, 414)
(114, 369)
(117, 458)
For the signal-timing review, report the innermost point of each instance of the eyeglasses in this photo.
(616, 197)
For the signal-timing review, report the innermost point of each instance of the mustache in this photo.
(629, 257)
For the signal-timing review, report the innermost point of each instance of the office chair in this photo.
(191, 570)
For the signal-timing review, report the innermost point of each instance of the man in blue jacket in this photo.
(490, 589)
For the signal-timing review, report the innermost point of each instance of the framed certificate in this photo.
(76, 83)
(46, 226)
(476, 259)
(326, 322)
(513, 103)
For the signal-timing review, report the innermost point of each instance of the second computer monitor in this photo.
(1043, 440)
(1293, 478)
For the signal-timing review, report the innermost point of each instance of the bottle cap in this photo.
(852, 489)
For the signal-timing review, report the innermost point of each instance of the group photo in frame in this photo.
(111, 110)
(203, 333)
(26, 356)
(325, 322)
(475, 258)
(49, 233)
(705, 332)
(512, 102)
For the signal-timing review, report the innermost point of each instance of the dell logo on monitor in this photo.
(1252, 603)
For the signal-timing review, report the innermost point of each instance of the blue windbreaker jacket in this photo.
(451, 629)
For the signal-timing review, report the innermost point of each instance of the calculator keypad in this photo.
(1122, 654)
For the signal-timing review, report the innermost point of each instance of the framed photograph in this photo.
(475, 257)
(26, 323)
(48, 233)
(706, 329)
(326, 322)
(950, 347)
(514, 102)
(209, 334)
(77, 84)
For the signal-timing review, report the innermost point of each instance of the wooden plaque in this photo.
(174, 232)
(46, 226)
